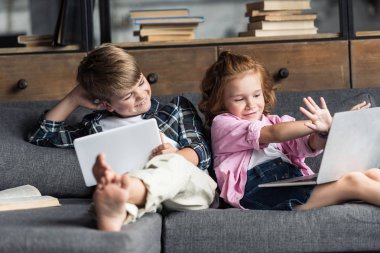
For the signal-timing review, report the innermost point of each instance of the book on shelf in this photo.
(170, 20)
(367, 33)
(288, 32)
(292, 17)
(25, 197)
(147, 32)
(272, 5)
(165, 25)
(253, 13)
(158, 13)
(279, 25)
(170, 26)
(35, 40)
(68, 26)
(155, 38)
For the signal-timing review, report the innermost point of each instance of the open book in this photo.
(25, 197)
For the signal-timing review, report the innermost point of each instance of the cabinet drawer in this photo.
(365, 58)
(177, 70)
(47, 76)
(311, 65)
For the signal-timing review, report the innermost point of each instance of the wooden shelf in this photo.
(235, 40)
(16, 50)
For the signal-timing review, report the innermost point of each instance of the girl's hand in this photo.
(362, 105)
(320, 116)
(164, 148)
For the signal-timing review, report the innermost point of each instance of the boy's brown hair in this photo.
(227, 67)
(108, 70)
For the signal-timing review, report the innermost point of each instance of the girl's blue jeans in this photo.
(276, 198)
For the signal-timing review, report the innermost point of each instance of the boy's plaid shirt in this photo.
(178, 120)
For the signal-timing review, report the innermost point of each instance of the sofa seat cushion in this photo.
(339, 228)
(70, 228)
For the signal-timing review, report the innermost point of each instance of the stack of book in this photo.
(279, 18)
(165, 25)
(35, 40)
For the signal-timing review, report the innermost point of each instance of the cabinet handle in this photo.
(22, 84)
(152, 78)
(282, 74)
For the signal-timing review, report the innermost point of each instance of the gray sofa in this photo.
(69, 228)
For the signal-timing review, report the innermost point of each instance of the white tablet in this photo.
(126, 148)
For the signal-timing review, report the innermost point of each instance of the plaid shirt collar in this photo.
(153, 108)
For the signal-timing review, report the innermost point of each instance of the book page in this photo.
(19, 192)
(28, 203)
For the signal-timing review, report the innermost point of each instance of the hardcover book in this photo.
(147, 32)
(272, 5)
(311, 16)
(253, 13)
(279, 25)
(155, 38)
(289, 32)
(158, 13)
(169, 20)
(169, 26)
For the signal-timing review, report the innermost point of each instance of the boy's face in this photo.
(243, 96)
(135, 101)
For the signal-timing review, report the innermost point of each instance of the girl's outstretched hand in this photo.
(320, 116)
(362, 105)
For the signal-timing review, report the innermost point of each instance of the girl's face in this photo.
(135, 101)
(243, 96)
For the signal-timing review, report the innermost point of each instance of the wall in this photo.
(224, 18)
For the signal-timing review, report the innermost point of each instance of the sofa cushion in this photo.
(288, 103)
(70, 228)
(339, 228)
(53, 171)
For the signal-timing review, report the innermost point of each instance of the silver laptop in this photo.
(353, 144)
(126, 148)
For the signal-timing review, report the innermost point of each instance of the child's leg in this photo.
(112, 194)
(169, 179)
(353, 186)
(176, 183)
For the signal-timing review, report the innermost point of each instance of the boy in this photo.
(110, 79)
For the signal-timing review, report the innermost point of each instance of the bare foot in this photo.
(102, 169)
(109, 200)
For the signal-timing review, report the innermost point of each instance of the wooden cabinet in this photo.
(365, 62)
(37, 76)
(175, 70)
(310, 65)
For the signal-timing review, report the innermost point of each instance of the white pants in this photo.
(175, 183)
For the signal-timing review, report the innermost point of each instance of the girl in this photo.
(251, 146)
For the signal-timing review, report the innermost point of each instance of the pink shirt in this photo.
(233, 141)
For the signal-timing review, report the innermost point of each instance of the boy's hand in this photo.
(81, 97)
(75, 98)
(320, 116)
(164, 148)
(362, 105)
